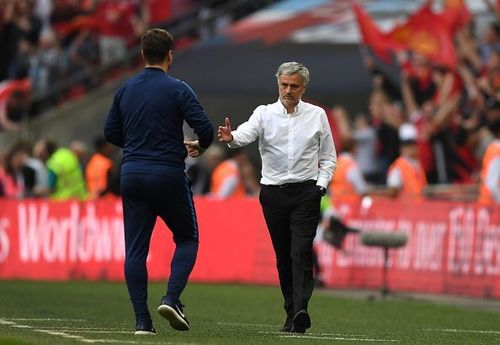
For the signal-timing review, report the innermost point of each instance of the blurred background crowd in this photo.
(438, 107)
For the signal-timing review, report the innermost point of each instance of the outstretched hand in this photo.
(193, 147)
(224, 132)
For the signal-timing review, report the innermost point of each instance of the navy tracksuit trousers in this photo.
(146, 196)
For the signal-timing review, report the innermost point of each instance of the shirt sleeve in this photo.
(327, 158)
(356, 178)
(228, 186)
(493, 179)
(195, 116)
(113, 127)
(394, 179)
(249, 131)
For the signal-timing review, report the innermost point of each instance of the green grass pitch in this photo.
(100, 313)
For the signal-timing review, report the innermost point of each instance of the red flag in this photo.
(456, 14)
(373, 37)
(427, 33)
(424, 32)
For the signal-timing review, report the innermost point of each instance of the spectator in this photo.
(46, 63)
(79, 148)
(8, 186)
(29, 174)
(200, 171)
(121, 23)
(365, 138)
(65, 174)
(489, 192)
(406, 178)
(226, 181)
(18, 24)
(349, 183)
(101, 170)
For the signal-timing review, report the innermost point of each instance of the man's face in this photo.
(291, 88)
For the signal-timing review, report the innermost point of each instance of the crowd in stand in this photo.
(45, 169)
(453, 111)
(441, 119)
(48, 41)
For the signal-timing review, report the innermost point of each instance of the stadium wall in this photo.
(453, 248)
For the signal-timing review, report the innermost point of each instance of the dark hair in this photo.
(155, 45)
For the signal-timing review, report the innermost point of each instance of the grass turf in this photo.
(85, 312)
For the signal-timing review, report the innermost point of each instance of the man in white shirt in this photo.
(298, 160)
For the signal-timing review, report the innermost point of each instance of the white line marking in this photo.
(338, 338)
(453, 330)
(58, 332)
(319, 334)
(245, 324)
(68, 328)
(5, 322)
(42, 319)
(61, 334)
(102, 332)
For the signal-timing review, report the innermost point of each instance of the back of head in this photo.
(156, 44)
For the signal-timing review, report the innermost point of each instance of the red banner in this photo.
(425, 32)
(452, 247)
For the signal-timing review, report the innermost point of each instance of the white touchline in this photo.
(60, 333)
(338, 338)
(319, 334)
(42, 319)
(245, 324)
(69, 328)
(453, 330)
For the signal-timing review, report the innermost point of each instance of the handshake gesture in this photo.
(224, 135)
(224, 132)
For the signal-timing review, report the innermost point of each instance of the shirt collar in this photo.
(283, 109)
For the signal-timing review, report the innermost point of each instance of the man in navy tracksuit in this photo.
(146, 120)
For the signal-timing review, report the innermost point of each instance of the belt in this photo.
(294, 184)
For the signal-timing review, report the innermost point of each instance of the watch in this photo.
(322, 190)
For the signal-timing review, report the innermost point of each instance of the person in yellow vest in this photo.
(489, 190)
(226, 181)
(348, 183)
(99, 169)
(65, 175)
(406, 177)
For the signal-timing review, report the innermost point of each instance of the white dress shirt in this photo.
(294, 147)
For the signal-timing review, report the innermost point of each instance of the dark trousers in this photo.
(146, 196)
(292, 214)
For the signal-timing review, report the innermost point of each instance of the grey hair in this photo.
(289, 68)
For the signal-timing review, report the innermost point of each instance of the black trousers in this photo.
(291, 212)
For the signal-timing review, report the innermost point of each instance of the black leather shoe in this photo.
(301, 322)
(287, 326)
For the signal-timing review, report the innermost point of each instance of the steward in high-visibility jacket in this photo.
(406, 177)
(348, 183)
(489, 191)
(99, 169)
(227, 180)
